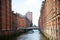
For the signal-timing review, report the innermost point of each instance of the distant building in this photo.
(29, 15)
(28, 22)
(22, 21)
(34, 26)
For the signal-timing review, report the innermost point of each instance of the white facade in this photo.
(29, 15)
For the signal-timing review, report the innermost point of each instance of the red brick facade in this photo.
(50, 19)
(22, 22)
(9, 22)
(5, 12)
(14, 22)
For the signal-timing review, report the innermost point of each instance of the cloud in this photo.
(30, 2)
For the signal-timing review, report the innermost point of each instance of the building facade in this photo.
(22, 22)
(14, 22)
(5, 16)
(29, 15)
(28, 23)
(50, 19)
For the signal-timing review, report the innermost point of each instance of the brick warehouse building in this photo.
(5, 15)
(50, 19)
(23, 21)
(10, 22)
(14, 22)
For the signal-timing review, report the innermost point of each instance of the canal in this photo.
(30, 35)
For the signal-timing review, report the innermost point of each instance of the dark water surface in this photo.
(31, 35)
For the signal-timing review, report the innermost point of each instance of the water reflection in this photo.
(31, 35)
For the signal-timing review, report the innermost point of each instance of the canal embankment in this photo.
(42, 33)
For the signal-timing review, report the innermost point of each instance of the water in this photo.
(31, 35)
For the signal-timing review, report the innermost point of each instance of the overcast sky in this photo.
(23, 6)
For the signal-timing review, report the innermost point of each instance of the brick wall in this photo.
(50, 19)
(5, 12)
(14, 22)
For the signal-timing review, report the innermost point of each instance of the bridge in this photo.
(25, 29)
(28, 28)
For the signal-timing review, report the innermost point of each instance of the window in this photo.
(59, 0)
(0, 3)
(0, 7)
